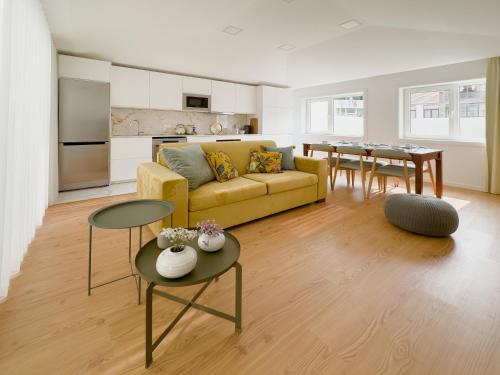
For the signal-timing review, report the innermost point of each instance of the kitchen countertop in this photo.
(184, 135)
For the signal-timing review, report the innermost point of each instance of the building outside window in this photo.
(340, 115)
(454, 111)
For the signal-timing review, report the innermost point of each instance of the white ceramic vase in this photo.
(173, 265)
(211, 243)
(162, 241)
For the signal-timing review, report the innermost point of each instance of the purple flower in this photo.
(209, 228)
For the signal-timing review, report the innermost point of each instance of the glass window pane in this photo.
(348, 116)
(430, 114)
(318, 120)
(472, 111)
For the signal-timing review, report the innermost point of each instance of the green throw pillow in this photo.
(287, 156)
(189, 162)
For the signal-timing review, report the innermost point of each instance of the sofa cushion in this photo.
(265, 162)
(222, 166)
(216, 194)
(288, 180)
(287, 156)
(189, 162)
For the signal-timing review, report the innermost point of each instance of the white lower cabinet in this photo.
(126, 155)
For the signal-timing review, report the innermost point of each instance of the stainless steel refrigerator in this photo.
(84, 115)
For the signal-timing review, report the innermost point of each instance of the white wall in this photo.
(464, 164)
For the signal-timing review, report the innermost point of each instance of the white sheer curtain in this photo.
(25, 104)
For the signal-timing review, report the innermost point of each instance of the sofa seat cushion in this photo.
(214, 194)
(288, 180)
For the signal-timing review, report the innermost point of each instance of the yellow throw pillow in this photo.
(222, 166)
(265, 162)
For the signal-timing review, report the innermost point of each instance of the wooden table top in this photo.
(369, 147)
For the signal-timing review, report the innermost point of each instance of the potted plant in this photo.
(178, 259)
(211, 236)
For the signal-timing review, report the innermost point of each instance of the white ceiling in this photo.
(185, 36)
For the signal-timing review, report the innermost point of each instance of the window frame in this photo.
(454, 111)
(331, 121)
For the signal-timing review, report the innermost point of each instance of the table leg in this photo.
(330, 169)
(149, 324)
(129, 245)
(305, 149)
(140, 237)
(419, 176)
(238, 287)
(439, 175)
(90, 259)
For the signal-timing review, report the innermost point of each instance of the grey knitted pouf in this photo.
(421, 214)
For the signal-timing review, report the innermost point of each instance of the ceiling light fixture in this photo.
(286, 47)
(351, 24)
(232, 30)
(288, 1)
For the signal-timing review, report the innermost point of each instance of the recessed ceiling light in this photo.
(286, 47)
(288, 1)
(232, 30)
(351, 24)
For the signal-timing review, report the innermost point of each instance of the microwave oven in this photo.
(192, 102)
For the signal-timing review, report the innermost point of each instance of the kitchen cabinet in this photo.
(246, 99)
(126, 155)
(165, 91)
(129, 87)
(81, 68)
(223, 96)
(199, 86)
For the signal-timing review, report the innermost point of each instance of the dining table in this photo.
(419, 155)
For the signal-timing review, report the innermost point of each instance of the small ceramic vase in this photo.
(175, 264)
(211, 243)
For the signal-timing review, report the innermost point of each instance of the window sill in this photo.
(444, 142)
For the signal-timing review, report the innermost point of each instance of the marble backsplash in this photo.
(129, 121)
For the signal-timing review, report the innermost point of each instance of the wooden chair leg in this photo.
(348, 177)
(372, 174)
(337, 164)
(353, 175)
(385, 184)
(431, 175)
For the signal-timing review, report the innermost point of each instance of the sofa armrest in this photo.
(155, 181)
(314, 166)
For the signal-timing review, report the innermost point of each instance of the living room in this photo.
(251, 187)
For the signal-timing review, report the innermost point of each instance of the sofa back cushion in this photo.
(238, 152)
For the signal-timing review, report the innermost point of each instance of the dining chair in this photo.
(405, 171)
(352, 165)
(331, 160)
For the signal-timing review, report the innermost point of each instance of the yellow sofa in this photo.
(245, 198)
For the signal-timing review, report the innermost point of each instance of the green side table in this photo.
(127, 215)
(208, 268)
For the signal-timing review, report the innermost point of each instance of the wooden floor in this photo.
(329, 288)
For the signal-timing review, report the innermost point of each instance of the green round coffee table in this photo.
(208, 268)
(127, 215)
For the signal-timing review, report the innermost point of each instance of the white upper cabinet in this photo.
(165, 91)
(129, 87)
(80, 68)
(274, 112)
(223, 96)
(199, 86)
(246, 99)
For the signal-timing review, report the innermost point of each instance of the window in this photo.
(340, 115)
(454, 111)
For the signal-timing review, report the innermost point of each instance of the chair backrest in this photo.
(352, 150)
(320, 147)
(390, 153)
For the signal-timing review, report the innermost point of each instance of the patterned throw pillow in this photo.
(222, 166)
(265, 162)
